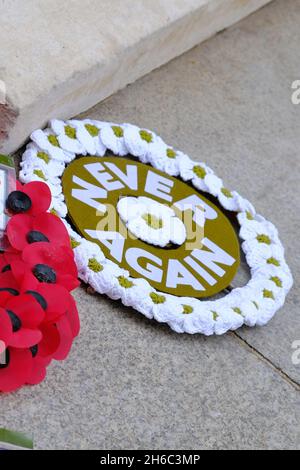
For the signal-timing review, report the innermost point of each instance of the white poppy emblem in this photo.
(151, 221)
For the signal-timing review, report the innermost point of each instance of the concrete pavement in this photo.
(57, 60)
(132, 383)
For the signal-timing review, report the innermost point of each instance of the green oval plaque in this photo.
(200, 267)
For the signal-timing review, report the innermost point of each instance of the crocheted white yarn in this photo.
(254, 304)
(134, 211)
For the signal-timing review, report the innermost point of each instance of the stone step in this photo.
(58, 59)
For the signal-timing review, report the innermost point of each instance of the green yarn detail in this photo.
(74, 243)
(268, 294)
(53, 140)
(157, 298)
(262, 238)
(153, 221)
(145, 135)
(187, 309)
(92, 130)
(273, 261)
(70, 132)
(237, 310)
(40, 174)
(199, 171)
(255, 304)
(249, 215)
(276, 280)
(94, 265)
(43, 156)
(226, 192)
(53, 212)
(118, 131)
(215, 315)
(124, 282)
(171, 153)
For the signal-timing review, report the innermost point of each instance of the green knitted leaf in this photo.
(262, 238)
(276, 280)
(40, 174)
(268, 294)
(199, 171)
(94, 265)
(187, 309)
(125, 282)
(118, 131)
(170, 153)
(74, 243)
(157, 298)
(226, 192)
(145, 135)
(215, 315)
(92, 130)
(43, 156)
(53, 140)
(70, 132)
(273, 261)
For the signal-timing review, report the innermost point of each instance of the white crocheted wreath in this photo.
(52, 149)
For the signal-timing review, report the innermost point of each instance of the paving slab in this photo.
(60, 58)
(132, 383)
(228, 103)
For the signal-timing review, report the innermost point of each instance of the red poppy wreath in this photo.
(38, 315)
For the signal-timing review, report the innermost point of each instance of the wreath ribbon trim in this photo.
(45, 159)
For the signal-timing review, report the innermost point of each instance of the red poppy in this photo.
(38, 316)
(54, 299)
(39, 194)
(58, 337)
(39, 364)
(22, 230)
(8, 283)
(17, 369)
(25, 315)
(23, 366)
(28, 366)
(6, 331)
(7, 257)
(50, 341)
(66, 339)
(48, 263)
(56, 344)
(73, 317)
